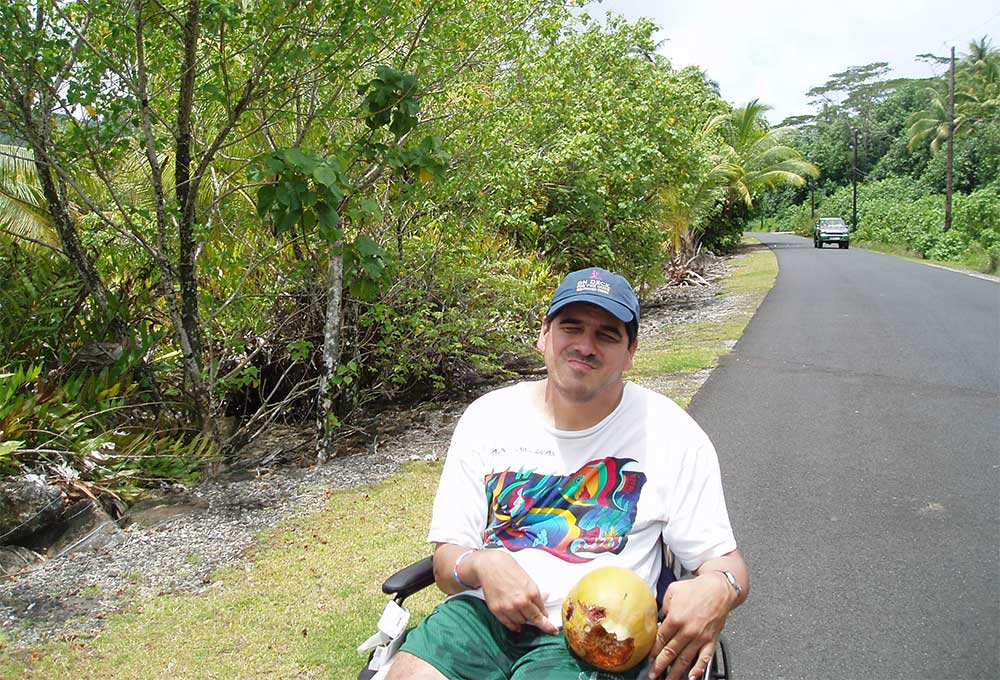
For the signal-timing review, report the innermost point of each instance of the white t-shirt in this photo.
(563, 503)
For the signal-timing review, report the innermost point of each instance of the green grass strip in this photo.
(311, 595)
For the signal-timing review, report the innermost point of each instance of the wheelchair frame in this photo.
(419, 575)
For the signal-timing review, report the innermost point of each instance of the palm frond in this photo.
(24, 213)
(775, 178)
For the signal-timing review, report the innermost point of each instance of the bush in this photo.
(795, 218)
(42, 307)
(73, 406)
(77, 432)
(451, 316)
(898, 210)
(977, 219)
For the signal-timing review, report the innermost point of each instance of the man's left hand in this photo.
(695, 612)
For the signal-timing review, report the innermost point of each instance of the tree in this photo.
(753, 159)
(165, 107)
(849, 101)
(592, 128)
(977, 99)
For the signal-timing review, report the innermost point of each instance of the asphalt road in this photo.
(858, 426)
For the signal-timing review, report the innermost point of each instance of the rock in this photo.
(160, 507)
(87, 527)
(15, 559)
(27, 504)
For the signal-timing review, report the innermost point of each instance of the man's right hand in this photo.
(510, 593)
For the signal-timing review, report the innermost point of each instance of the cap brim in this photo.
(620, 311)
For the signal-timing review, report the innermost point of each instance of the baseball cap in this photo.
(599, 287)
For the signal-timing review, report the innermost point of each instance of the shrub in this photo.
(977, 219)
(898, 210)
(451, 316)
(795, 218)
(42, 307)
(78, 433)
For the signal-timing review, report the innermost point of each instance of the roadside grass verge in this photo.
(299, 606)
(677, 363)
(310, 591)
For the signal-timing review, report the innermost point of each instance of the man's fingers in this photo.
(665, 632)
(683, 662)
(541, 621)
(701, 665)
(693, 661)
(510, 623)
(660, 662)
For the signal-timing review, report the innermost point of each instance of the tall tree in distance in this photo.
(754, 158)
(977, 98)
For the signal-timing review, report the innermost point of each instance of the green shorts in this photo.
(463, 640)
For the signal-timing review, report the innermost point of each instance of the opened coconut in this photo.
(609, 619)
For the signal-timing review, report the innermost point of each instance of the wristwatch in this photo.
(733, 582)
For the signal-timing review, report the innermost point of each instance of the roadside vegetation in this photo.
(215, 217)
(676, 361)
(900, 128)
(309, 593)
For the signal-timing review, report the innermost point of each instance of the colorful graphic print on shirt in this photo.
(574, 517)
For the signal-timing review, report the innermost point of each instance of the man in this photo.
(546, 481)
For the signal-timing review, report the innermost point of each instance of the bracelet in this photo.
(454, 572)
(728, 575)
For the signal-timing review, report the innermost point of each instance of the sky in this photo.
(777, 50)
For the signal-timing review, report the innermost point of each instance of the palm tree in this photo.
(24, 213)
(751, 158)
(977, 99)
(755, 158)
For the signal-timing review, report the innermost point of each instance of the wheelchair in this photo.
(420, 575)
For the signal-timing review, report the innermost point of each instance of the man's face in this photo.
(586, 351)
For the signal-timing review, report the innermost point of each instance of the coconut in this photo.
(609, 619)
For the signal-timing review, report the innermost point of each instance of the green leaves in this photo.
(303, 190)
(390, 101)
(367, 268)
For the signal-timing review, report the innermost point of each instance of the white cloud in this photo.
(777, 50)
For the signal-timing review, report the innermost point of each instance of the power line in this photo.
(949, 41)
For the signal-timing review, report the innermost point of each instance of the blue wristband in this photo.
(454, 572)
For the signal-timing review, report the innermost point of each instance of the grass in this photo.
(302, 602)
(673, 363)
(309, 593)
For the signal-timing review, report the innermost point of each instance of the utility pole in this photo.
(812, 199)
(854, 185)
(951, 144)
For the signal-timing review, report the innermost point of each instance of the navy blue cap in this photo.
(598, 287)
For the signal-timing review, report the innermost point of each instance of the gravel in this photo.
(70, 595)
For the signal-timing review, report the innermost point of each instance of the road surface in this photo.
(858, 427)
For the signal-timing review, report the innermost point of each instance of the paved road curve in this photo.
(858, 426)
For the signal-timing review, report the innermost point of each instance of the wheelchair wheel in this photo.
(718, 667)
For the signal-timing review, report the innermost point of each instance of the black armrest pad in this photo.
(409, 580)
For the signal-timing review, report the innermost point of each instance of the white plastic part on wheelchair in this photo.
(392, 625)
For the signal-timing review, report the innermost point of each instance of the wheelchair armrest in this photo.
(410, 579)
